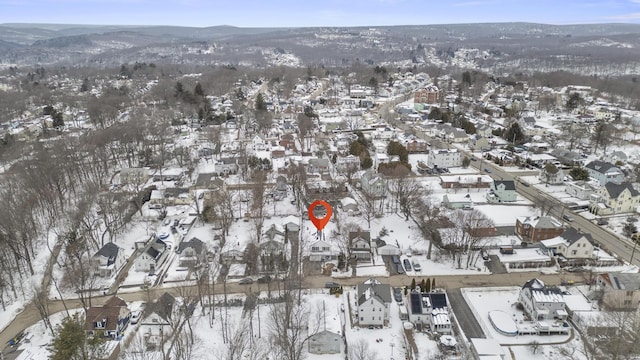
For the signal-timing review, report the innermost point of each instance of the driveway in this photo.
(467, 321)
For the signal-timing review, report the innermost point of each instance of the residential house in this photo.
(109, 260)
(373, 303)
(479, 143)
(191, 253)
(487, 349)
(537, 228)
(430, 309)
(502, 191)
(109, 320)
(541, 302)
(153, 255)
(226, 166)
(605, 172)
(567, 157)
(327, 319)
(274, 231)
(444, 158)
(428, 95)
(272, 248)
(465, 181)
(360, 245)
(349, 205)
(170, 174)
(321, 250)
(156, 323)
(177, 196)
(580, 189)
(614, 199)
(416, 145)
(318, 166)
(620, 291)
(348, 164)
(288, 141)
(291, 224)
(571, 245)
(455, 135)
(258, 143)
(552, 178)
(457, 201)
(484, 130)
(373, 184)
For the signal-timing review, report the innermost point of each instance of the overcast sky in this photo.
(294, 13)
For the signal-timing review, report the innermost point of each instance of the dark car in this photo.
(407, 264)
(487, 170)
(397, 294)
(246, 281)
(264, 280)
(331, 284)
(399, 269)
(395, 259)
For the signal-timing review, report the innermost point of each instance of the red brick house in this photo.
(427, 95)
(534, 229)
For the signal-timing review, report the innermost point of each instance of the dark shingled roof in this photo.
(194, 243)
(572, 235)
(599, 166)
(615, 190)
(508, 184)
(163, 306)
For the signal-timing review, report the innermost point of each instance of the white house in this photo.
(487, 349)
(192, 252)
(502, 191)
(327, 339)
(604, 172)
(572, 244)
(444, 158)
(580, 189)
(373, 184)
(550, 178)
(457, 201)
(108, 260)
(349, 205)
(541, 302)
(321, 251)
(226, 166)
(155, 325)
(373, 300)
(153, 255)
(360, 245)
(614, 199)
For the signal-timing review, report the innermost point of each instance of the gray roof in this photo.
(194, 243)
(163, 306)
(600, 166)
(381, 292)
(542, 222)
(624, 281)
(508, 184)
(572, 235)
(109, 250)
(615, 190)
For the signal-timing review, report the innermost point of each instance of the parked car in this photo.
(487, 170)
(416, 266)
(264, 280)
(135, 316)
(407, 264)
(397, 294)
(395, 259)
(568, 218)
(331, 284)
(246, 281)
(399, 269)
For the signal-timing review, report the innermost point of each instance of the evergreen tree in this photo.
(433, 284)
(71, 342)
(197, 91)
(260, 103)
(413, 284)
(427, 287)
(423, 285)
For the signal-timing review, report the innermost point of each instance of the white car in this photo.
(135, 316)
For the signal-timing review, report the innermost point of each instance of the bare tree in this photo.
(406, 191)
(258, 201)
(360, 350)
(290, 327)
(341, 238)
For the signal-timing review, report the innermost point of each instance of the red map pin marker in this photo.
(320, 223)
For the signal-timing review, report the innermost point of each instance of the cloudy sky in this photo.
(293, 13)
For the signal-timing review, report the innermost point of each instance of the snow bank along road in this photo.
(30, 315)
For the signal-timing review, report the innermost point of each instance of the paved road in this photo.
(609, 241)
(467, 321)
(30, 315)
